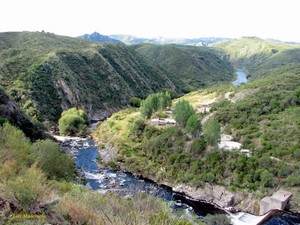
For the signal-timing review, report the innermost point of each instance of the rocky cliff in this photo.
(10, 112)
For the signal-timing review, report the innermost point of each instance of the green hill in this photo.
(262, 115)
(258, 56)
(48, 73)
(188, 66)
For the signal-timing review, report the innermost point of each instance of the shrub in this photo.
(72, 122)
(28, 189)
(52, 161)
(14, 145)
(2, 120)
(217, 219)
(137, 128)
(198, 146)
(267, 179)
(135, 102)
(293, 181)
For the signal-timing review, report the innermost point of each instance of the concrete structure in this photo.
(246, 152)
(278, 200)
(162, 122)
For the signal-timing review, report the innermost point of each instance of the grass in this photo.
(197, 97)
(25, 191)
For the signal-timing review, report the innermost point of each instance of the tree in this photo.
(183, 111)
(212, 132)
(165, 99)
(155, 102)
(193, 125)
(146, 108)
(72, 122)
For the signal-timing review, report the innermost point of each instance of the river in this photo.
(241, 77)
(104, 180)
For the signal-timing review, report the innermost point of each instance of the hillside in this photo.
(188, 66)
(262, 115)
(260, 56)
(46, 73)
(11, 112)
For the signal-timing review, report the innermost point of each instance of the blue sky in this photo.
(276, 19)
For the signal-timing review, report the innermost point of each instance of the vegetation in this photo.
(193, 125)
(54, 163)
(262, 117)
(27, 189)
(73, 122)
(154, 103)
(211, 132)
(188, 67)
(135, 102)
(163, 153)
(52, 71)
(259, 56)
(11, 112)
(183, 111)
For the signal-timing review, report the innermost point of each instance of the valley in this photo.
(243, 92)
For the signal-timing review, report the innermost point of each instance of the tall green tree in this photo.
(212, 131)
(155, 102)
(183, 111)
(193, 125)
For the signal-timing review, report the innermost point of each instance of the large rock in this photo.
(220, 196)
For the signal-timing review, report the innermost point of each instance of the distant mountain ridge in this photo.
(100, 38)
(131, 40)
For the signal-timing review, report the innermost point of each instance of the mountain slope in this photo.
(188, 66)
(50, 73)
(258, 55)
(10, 112)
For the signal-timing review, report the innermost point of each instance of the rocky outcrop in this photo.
(220, 196)
(11, 112)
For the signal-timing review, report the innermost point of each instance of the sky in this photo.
(277, 19)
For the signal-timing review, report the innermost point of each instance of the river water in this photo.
(104, 180)
(241, 77)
